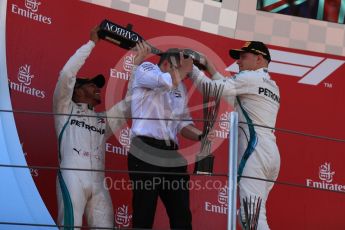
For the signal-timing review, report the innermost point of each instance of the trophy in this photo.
(204, 159)
(251, 212)
(126, 38)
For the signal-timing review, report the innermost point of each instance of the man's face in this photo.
(167, 65)
(92, 93)
(248, 61)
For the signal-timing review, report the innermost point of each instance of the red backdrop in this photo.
(40, 42)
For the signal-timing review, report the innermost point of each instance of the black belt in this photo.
(163, 144)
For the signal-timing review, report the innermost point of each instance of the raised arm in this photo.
(212, 70)
(118, 114)
(199, 78)
(64, 88)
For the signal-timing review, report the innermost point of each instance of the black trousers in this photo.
(172, 189)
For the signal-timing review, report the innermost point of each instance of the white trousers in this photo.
(263, 163)
(79, 194)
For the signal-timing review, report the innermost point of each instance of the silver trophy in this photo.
(251, 208)
(211, 100)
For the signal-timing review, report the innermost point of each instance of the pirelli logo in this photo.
(310, 70)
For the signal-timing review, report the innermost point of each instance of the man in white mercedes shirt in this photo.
(82, 134)
(159, 109)
(257, 102)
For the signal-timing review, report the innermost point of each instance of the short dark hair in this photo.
(172, 52)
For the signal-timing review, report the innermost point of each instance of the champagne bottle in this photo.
(123, 37)
(126, 38)
(198, 59)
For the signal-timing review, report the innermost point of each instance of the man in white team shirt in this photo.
(82, 134)
(257, 102)
(158, 95)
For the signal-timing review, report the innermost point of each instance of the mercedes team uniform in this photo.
(154, 148)
(257, 102)
(82, 134)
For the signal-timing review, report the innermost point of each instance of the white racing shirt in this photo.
(154, 97)
(257, 102)
(82, 138)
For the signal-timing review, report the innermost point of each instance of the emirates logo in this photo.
(224, 124)
(24, 75)
(125, 137)
(128, 62)
(30, 11)
(222, 206)
(326, 179)
(23, 85)
(32, 5)
(122, 217)
(325, 173)
(223, 196)
(127, 66)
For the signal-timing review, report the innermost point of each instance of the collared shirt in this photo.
(154, 98)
